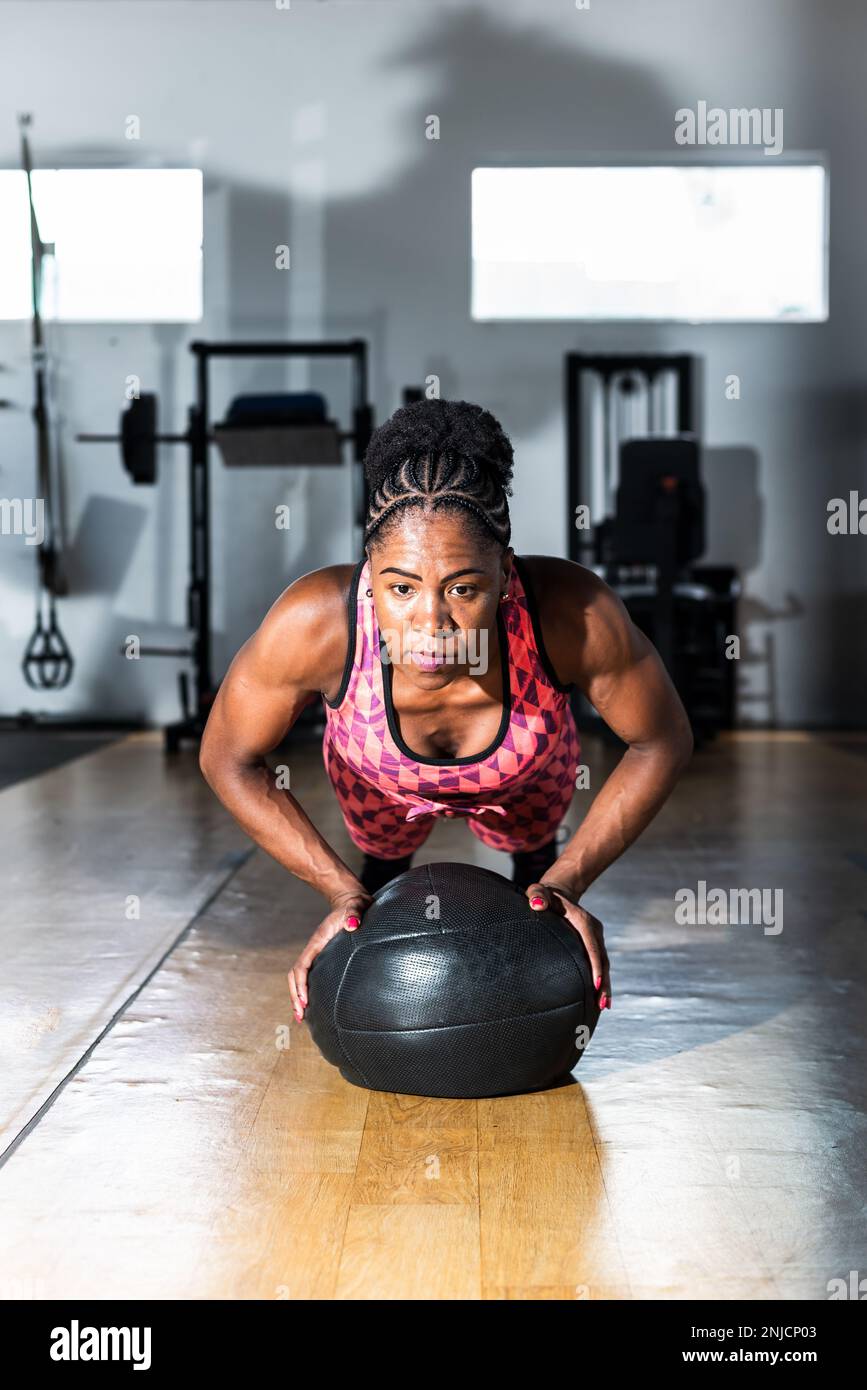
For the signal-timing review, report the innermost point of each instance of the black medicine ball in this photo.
(453, 986)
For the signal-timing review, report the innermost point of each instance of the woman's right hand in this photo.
(345, 915)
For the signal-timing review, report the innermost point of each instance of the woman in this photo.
(445, 664)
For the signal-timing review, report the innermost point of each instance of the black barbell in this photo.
(139, 434)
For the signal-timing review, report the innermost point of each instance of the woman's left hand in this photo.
(557, 898)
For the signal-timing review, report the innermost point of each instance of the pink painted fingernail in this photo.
(537, 902)
(602, 1003)
(352, 923)
(597, 983)
(298, 1017)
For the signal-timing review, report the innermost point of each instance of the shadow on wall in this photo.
(496, 89)
(736, 524)
(506, 89)
(392, 261)
(101, 551)
(392, 264)
(403, 248)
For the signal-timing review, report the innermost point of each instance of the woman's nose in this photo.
(431, 614)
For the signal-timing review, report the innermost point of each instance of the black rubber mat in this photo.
(28, 752)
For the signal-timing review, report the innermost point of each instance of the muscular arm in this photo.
(592, 641)
(297, 652)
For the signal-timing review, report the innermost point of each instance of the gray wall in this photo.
(309, 124)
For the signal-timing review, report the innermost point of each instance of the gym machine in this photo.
(634, 479)
(278, 429)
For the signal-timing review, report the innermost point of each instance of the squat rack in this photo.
(197, 438)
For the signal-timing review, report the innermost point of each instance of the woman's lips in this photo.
(427, 661)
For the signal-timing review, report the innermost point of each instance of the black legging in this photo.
(528, 867)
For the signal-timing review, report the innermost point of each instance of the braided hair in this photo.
(440, 455)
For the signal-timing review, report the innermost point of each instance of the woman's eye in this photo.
(463, 590)
(401, 589)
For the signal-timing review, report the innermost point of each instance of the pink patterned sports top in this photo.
(514, 793)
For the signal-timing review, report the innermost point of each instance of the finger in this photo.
(293, 990)
(580, 920)
(539, 897)
(352, 915)
(606, 983)
(301, 984)
(603, 984)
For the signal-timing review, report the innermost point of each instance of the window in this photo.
(667, 242)
(128, 244)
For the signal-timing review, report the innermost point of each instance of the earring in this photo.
(369, 593)
(503, 598)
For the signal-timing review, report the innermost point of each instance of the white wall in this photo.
(310, 126)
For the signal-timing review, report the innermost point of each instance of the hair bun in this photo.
(435, 428)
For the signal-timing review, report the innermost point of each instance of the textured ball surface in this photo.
(486, 998)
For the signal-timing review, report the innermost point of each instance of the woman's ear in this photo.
(506, 567)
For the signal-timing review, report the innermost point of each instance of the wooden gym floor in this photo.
(169, 1131)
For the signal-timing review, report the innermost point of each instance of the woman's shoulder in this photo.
(319, 594)
(554, 579)
(564, 595)
(306, 629)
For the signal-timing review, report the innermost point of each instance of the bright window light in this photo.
(675, 242)
(128, 244)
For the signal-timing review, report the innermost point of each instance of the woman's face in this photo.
(436, 589)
